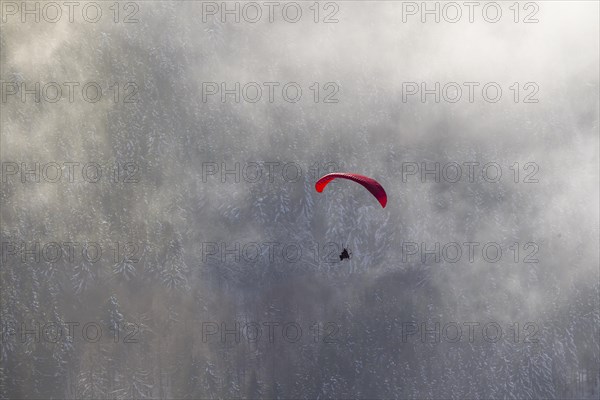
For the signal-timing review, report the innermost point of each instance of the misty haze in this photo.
(162, 236)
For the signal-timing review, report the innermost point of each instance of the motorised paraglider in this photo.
(369, 183)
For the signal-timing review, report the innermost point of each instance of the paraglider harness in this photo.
(345, 254)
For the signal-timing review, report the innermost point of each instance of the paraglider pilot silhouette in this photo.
(370, 184)
(345, 254)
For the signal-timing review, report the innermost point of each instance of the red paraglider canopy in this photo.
(369, 183)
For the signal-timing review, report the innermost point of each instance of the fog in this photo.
(162, 238)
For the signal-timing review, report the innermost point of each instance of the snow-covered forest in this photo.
(175, 251)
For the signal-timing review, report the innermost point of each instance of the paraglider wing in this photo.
(369, 183)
